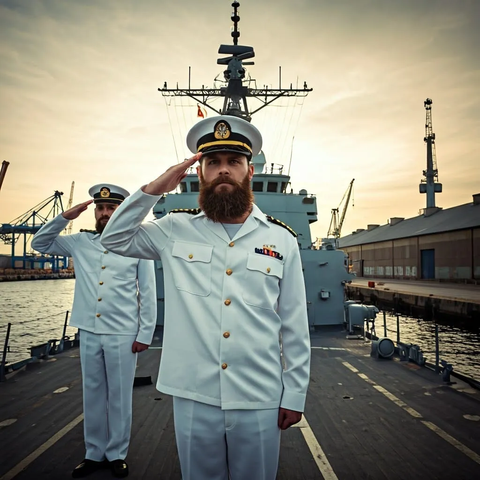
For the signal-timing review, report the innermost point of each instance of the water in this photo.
(36, 309)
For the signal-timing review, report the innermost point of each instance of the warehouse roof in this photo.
(434, 220)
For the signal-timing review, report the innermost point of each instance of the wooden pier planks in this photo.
(362, 432)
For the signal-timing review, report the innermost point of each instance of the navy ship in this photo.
(325, 268)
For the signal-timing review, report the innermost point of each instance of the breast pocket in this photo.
(263, 277)
(90, 262)
(123, 268)
(192, 267)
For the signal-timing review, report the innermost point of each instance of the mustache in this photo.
(222, 179)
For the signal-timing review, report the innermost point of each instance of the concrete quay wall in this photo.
(16, 274)
(416, 305)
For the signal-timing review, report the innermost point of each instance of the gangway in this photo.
(26, 225)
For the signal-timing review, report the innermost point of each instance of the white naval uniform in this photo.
(227, 302)
(114, 305)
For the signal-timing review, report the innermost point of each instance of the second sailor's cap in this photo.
(108, 193)
(225, 133)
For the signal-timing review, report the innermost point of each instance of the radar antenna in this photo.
(237, 88)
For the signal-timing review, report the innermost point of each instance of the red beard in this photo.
(99, 225)
(224, 205)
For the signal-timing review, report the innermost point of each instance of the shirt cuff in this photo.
(293, 401)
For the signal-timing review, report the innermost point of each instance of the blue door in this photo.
(428, 263)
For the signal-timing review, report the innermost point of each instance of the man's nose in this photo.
(224, 170)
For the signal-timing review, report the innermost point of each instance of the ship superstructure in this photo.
(325, 268)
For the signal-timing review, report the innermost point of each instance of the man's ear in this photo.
(251, 170)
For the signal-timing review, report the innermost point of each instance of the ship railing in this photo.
(410, 352)
(37, 352)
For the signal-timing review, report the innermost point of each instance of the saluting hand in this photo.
(287, 418)
(169, 180)
(74, 212)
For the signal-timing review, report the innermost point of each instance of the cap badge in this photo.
(104, 192)
(222, 131)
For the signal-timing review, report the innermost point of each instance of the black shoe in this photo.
(86, 467)
(119, 468)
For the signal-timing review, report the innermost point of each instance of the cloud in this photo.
(79, 98)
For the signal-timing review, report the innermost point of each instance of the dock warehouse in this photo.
(441, 244)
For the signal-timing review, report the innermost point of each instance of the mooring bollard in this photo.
(404, 351)
(447, 370)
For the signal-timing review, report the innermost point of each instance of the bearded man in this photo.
(234, 305)
(115, 310)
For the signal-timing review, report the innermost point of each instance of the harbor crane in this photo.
(68, 230)
(335, 228)
(429, 183)
(3, 171)
(27, 225)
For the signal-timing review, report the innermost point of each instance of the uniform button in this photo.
(231, 244)
(224, 366)
(190, 256)
(106, 251)
(103, 267)
(227, 302)
(229, 271)
(226, 334)
(268, 270)
(100, 283)
(99, 299)
(99, 314)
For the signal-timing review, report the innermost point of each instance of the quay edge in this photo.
(14, 275)
(417, 304)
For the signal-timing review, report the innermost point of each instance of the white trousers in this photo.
(108, 372)
(216, 444)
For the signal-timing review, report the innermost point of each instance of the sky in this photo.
(79, 99)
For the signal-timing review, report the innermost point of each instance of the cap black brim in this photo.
(226, 149)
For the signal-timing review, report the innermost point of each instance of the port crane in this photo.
(336, 223)
(26, 225)
(68, 229)
(3, 171)
(429, 183)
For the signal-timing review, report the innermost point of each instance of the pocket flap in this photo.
(192, 252)
(265, 264)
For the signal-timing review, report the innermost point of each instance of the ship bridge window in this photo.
(272, 186)
(284, 187)
(183, 187)
(194, 187)
(257, 186)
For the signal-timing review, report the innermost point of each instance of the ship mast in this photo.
(237, 88)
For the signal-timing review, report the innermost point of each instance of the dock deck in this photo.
(365, 418)
(430, 299)
(449, 291)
